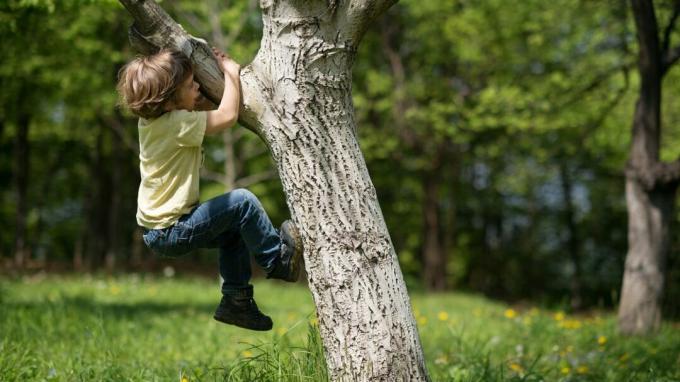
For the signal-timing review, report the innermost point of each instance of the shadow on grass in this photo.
(83, 305)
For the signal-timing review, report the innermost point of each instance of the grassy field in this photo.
(143, 328)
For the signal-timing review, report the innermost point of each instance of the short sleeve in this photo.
(191, 126)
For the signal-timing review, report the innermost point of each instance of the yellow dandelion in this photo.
(247, 353)
(443, 316)
(422, 320)
(510, 313)
(582, 369)
(565, 370)
(517, 368)
(601, 340)
(185, 379)
(559, 316)
(570, 324)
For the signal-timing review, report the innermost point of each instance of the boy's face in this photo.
(187, 95)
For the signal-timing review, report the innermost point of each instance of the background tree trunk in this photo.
(573, 244)
(297, 98)
(650, 186)
(434, 255)
(21, 172)
(113, 250)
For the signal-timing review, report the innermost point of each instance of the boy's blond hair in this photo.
(147, 83)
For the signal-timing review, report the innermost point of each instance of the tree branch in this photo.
(666, 43)
(214, 176)
(360, 13)
(658, 175)
(255, 178)
(600, 78)
(670, 58)
(119, 129)
(157, 29)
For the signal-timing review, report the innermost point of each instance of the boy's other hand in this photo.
(226, 64)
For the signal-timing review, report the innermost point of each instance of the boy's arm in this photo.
(226, 114)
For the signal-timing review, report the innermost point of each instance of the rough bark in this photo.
(297, 98)
(650, 186)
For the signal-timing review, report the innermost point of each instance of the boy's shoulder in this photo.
(174, 117)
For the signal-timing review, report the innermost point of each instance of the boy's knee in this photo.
(246, 197)
(242, 194)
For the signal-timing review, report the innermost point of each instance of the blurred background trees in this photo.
(496, 134)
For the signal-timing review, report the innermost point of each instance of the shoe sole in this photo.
(289, 228)
(242, 325)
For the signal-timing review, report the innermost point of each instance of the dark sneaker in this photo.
(287, 266)
(241, 310)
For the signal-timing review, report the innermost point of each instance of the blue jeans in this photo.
(235, 223)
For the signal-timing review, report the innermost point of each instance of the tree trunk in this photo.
(297, 98)
(650, 188)
(649, 216)
(21, 172)
(573, 243)
(96, 208)
(434, 256)
(114, 206)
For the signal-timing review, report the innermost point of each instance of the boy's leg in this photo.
(232, 216)
(237, 213)
(237, 306)
(240, 214)
(234, 261)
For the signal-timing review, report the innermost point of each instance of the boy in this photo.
(161, 90)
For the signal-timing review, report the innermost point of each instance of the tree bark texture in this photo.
(297, 98)
(650, 187)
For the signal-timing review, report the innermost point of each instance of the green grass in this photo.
(143, 328)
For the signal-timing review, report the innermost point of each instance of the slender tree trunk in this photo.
(21, 173)
(434, 257)
(650, 188)
(114, 229)
(96, 208)
(297, 98)
(227, 135)
(573, 244)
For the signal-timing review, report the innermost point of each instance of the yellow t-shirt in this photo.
(170, 156)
